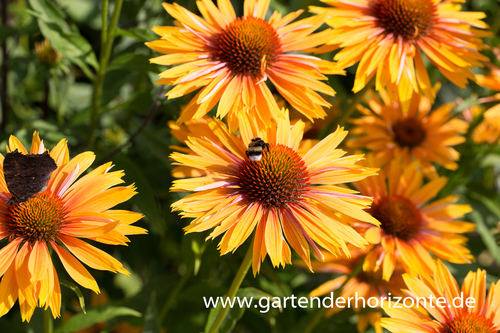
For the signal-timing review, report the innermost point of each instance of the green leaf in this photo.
(158, 147)
(77, 291)
(136, 33)
(64, 39)
(491, 205)
(97, 315)
(151, 324)
(486, 235)
(137, 62)
(235, 313)
(144, 198)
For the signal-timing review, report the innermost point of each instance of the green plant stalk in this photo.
(48, 321)
(235, 285)
(173, 295)
(107, 39)
(351, 107)
(356, 99)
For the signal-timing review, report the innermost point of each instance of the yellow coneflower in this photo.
(59, 218)
(284, 199)
(412, 230)
(418, 134)
(483, 315)
(389, 37)
(233, 58)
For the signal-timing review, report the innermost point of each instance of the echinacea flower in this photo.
(233, 58)
(58, 218)
(284, 199)
(389, 38)
(473, 312)
(419, 134)
(412, 230)
(364, 285)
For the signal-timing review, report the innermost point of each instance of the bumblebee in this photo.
(255, 149)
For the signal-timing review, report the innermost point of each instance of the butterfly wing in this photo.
(27, 175)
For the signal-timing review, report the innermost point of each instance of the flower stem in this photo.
(107, 39)
(48, 321)
(235, 285)
(173, 295)
(356, 99)
(351, 107)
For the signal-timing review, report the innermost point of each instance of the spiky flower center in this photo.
(409, 132)
(398, 216)
(408, 19)
(278, 179)
(469, 323)
(38, 219)
(248, 45)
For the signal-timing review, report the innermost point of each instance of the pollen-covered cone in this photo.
(419, 134)
(231, 59)
(388, 39)
(466, 309)
(363, 285)
(412, 230)
(283, 199)
(58, 218)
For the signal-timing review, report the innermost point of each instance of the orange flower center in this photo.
(405, 18)
(408, 132)
(469, 323)
(248, 45)
(398, 216)
(278, 179)
(38, 219)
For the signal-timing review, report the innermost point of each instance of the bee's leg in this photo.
(268, 146)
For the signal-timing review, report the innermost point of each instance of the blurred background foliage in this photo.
(53, 90)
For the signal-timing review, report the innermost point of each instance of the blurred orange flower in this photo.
(411, 228)
(419, 134)
(363, 285)
(388, 37)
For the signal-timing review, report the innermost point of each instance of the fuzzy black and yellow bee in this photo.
(255, 149)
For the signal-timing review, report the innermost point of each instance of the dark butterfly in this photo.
(27, 175)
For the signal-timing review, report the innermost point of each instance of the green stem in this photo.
(320, 313)
(107, 39)
(48, 321)
(356, 99)
(235, 285)
(351, 107)
(173, 295)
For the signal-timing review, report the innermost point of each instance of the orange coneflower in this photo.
(285, 198)
(364, 285)
(58, 218)
(453, 315)
(419, 134)
(233, 58)
(388, 37)
(411, 228)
